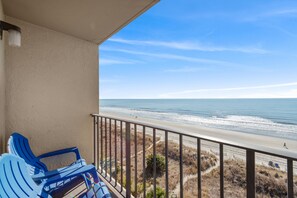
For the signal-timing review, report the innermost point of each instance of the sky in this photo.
(204, 49)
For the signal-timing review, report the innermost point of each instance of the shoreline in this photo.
(232, 136)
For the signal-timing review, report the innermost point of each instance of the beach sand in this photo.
(257, 142)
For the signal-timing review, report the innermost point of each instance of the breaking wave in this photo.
(248, 124)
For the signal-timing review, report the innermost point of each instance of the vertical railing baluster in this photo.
(199, 167)
(181, 166)
(115, 151)
(110, 157)
(250, 173)
(97, 142)
(155, 163)
(290, 178)
(166, 164)
(94, 142)
(101, 141)
(121, 126)
(221, 170)
(135, 147)
(128, 161)
(143, 163)
(105, 165)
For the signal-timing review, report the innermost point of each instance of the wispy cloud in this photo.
(173, 57)
(284, 30)
(108, 81)
(291, 93)
(287, 12)
(185, 45)
(290, 12)
(104, 61)
(185, 70)
(187, 92)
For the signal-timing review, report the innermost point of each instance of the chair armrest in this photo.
(74, 173)
(61, 152)
(48, 174)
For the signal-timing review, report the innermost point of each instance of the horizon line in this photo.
(187, 98)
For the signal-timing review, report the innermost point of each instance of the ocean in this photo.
(270, 117)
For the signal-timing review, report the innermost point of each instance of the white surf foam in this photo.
(248, 124)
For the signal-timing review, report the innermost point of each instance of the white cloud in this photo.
(104, 61)
(173, 57)
(184, 70)
(275, 13)
(282, 12)
(108, 80)
(236, 92)
(195, 46)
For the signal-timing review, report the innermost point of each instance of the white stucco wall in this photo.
(51, 89)
(2, 87)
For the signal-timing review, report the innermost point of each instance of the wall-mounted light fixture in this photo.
(14, 33)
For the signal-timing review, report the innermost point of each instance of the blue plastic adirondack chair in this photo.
(15, 181)
(19, 146)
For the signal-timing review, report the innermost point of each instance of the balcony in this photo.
(179, 164)
(49, 86)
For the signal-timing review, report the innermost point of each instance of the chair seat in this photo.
(98, 190)
(15, 180)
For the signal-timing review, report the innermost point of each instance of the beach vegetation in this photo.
(160, 193)
(160, 165)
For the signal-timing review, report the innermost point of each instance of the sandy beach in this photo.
(217, 134)
(262, 143)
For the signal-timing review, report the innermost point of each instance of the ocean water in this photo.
(270, 117)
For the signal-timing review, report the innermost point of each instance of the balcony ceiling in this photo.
(91, 20)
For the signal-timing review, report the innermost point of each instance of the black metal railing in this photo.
(122, 148)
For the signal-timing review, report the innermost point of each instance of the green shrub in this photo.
(160, 193)
(160, 165)
(139, 189)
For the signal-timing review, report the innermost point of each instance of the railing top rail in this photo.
(247, 146)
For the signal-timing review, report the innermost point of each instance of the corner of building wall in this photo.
(2, 88)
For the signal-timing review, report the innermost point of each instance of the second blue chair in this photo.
(16, 182)
(19, 146)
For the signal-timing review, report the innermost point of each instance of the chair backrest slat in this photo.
(14, 178)
(19, 146)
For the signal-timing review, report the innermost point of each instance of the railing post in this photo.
(101, 145)
(143, 163)
(105, 130)
(181, 166)
(166, 163)
(110, 157)
(97, 142)
(94, 141)
(199, 167)
(121, 127)
(128, 161)
(221, 170)
(155, 163)
(290, 178)
(115, 150)
(250, 173)
(135, 157)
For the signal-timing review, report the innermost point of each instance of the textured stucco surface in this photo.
(2, 88)
(51, 89)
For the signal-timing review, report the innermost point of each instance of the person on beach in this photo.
(285, 146)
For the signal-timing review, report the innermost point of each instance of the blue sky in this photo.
(204, 49)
